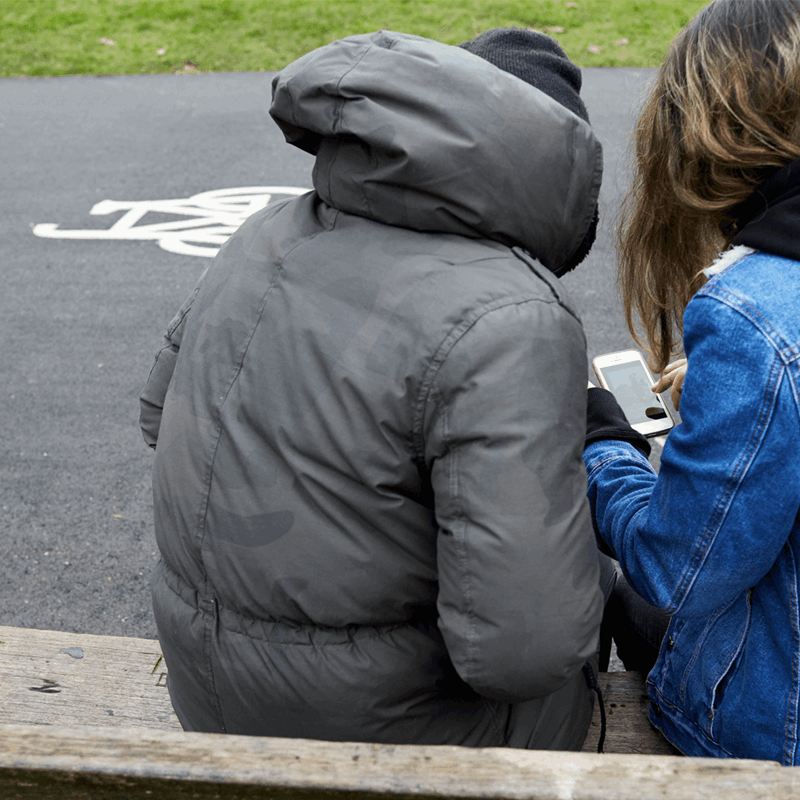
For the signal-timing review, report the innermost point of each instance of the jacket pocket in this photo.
(714, 662)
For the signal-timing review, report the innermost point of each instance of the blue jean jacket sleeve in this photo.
(715, 519)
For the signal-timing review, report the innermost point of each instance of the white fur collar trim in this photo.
(728, 258)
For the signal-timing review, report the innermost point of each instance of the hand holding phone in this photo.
(672, 379)
(626, 376)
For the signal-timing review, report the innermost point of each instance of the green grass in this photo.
(63, 37)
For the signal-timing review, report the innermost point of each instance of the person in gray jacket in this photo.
(369, 495)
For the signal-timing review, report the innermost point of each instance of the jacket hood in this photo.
(422, 135)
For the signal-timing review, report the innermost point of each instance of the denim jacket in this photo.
(714, 538)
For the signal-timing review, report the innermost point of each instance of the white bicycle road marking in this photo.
(211, 218)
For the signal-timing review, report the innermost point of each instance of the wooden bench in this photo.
(89, 716)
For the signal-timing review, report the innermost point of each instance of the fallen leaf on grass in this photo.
(594, 48)
(622, 41)
(109, 42)
(189, 67)
(555, 29)
(161, 51)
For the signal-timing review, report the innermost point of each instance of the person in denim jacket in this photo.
(714, 538)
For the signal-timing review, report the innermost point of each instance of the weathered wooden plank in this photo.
(628, 729)
(75, 686)
(52, 677)
(65, 763)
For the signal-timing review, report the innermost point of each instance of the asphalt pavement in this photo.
(115, 192)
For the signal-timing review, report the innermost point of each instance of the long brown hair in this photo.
(723, 114)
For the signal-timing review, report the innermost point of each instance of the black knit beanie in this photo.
(538, 60)
(534, 58)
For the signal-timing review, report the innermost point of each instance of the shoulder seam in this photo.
(455, 335)
(786, 351)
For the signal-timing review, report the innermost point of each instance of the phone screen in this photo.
(631, 386)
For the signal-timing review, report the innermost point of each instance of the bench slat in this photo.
(52, 677)
(106, 730)
(113, 762)
(628, 729)
(122, 681)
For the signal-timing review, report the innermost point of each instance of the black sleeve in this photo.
(606, 420)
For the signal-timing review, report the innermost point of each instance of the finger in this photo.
(681, 362)
(677, 387)
(675, 395)
(673, 371)
(663, 383)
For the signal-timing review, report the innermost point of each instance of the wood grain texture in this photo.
(101, 762)
(100, 725)
(51, 677)
(628, 729)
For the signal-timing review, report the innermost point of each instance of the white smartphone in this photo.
(626, 375)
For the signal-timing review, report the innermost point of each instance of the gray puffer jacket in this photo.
(369, 493)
